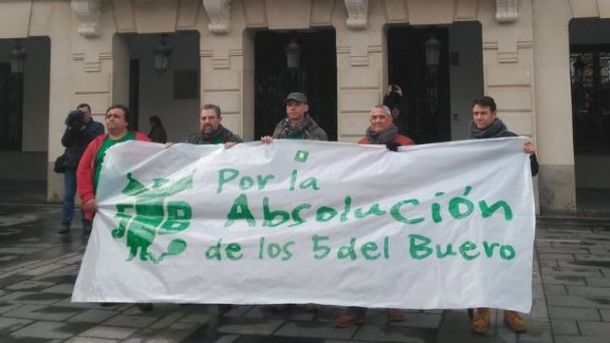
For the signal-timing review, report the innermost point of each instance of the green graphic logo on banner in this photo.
(153, 216)
(301, 156)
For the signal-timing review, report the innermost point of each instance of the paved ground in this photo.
(38, 268)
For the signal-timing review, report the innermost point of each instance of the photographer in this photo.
(393, 99)
(81, 129)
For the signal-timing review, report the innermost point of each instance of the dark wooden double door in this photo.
(316, 76)
(425, 103)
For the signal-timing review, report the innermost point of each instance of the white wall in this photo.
(466, 78)
(179, 117)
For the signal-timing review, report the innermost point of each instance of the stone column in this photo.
(508, 63)
(508, 60)
(227, 69)
(60, 90)
(361, 66)
(554, 106)
(86, 70)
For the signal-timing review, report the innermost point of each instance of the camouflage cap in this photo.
(297, 96)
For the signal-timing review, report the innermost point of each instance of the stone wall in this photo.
(524, 44)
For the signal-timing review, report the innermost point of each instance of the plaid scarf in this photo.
(383, 137)
(304, 130)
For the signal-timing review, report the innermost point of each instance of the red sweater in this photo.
(86, 168)
(398, 140)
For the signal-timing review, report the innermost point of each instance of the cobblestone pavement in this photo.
(38, 268)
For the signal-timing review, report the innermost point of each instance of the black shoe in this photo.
(65, 228)
(87, 226)
(144, 307)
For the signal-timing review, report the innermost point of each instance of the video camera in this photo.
(75, 120)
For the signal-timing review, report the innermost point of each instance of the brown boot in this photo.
(480, 321)
(514, 322)
(349, 319)
(395, 315)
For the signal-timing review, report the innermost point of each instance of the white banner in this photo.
(447, 225)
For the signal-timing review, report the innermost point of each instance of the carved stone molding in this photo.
(89, 12)
(357, 14)
(507, 11)
(219, 12)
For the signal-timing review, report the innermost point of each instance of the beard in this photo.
(208, 130)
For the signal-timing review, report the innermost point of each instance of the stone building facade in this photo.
(524, 49)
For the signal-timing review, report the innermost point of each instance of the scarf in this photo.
(221, 135)
(383, 137)
(495, 130)
(303, 130)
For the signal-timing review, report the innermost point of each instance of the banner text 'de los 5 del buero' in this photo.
(447, 225)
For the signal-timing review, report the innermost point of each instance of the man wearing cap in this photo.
(297, 124)
(485, 124)
(211, 130)
(381, 131)
(81, 129)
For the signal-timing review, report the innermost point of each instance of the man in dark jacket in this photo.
(81, 129)
(211, 130)
(394, 100)
(157, 132)
(485, 124)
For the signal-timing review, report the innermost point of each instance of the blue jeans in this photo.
(69, 190)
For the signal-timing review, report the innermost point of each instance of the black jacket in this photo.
(76, 141)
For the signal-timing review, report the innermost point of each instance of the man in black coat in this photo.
(80, 130)
(485, 124)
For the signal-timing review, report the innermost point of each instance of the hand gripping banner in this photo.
(447, 225)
